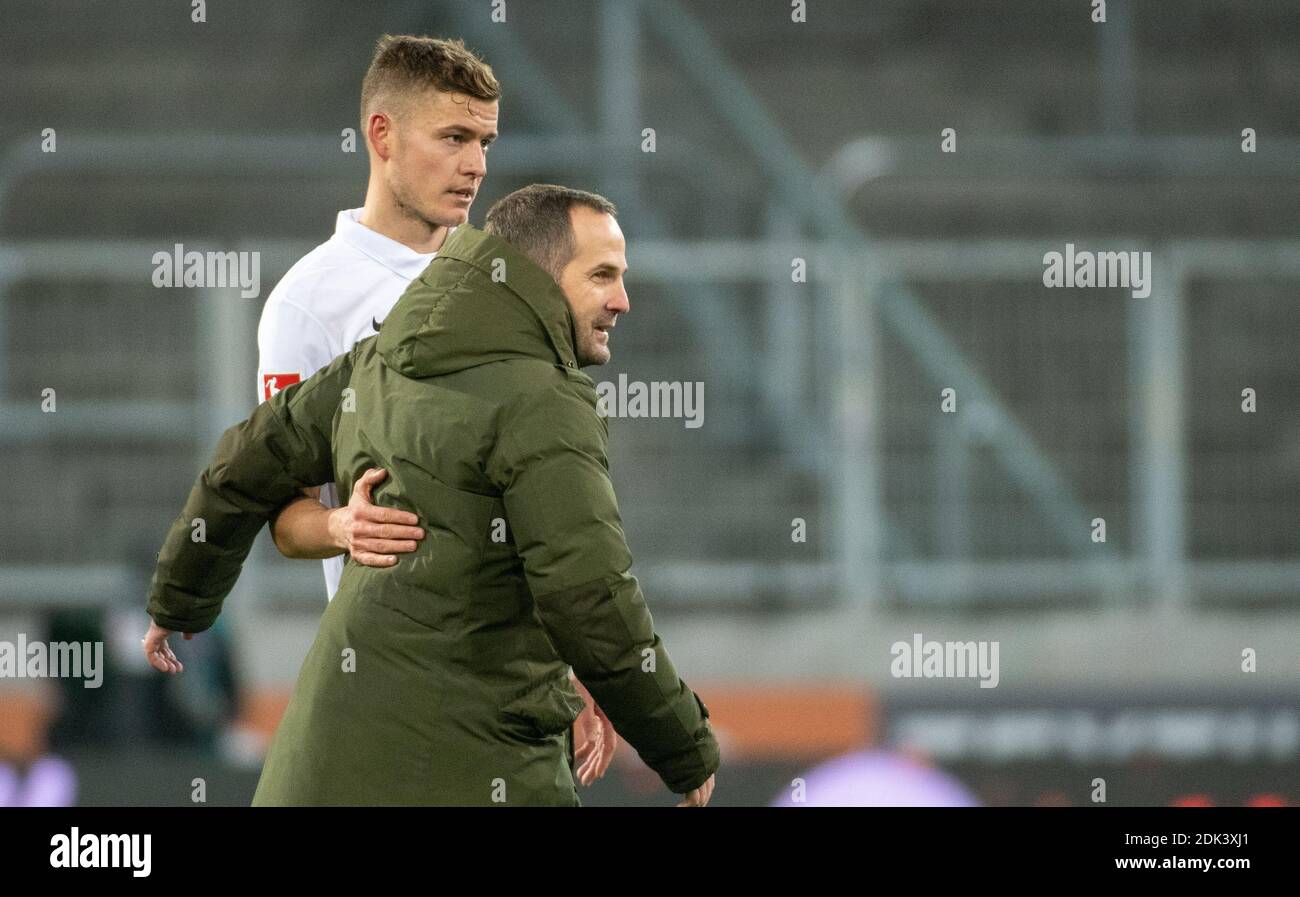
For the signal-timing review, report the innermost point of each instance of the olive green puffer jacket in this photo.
(444, 679)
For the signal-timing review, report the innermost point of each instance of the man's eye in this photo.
(456, 137)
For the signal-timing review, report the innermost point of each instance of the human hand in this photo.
(373, 535)
(158, 652)
(594, 738)
(698, 797)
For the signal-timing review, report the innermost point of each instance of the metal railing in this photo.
(223, 350)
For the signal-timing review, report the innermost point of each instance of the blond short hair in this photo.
(404, 65)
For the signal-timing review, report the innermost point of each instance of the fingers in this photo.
(365, 508)
(606, 758)
(367, 482)
(374, 534)
(384, 546)
(597, 760)
(371, 559)
(174, 665)
(596, 743)
(380, 514)
(362, 490)
(162, 659)
(610, 742)
(592, 754)
(376, 545)
(582, 756)
(158, 652)
(698, 797)
(367, 529)
(587, 772)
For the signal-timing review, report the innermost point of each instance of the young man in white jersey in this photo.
(429, 112)
(428, 115)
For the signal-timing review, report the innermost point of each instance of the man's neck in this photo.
(385, 218)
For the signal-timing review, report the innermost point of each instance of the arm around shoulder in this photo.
(259, 465)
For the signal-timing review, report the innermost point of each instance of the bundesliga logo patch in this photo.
(273, 383)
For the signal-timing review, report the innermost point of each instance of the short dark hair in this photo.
(536, 221)
(403, 65)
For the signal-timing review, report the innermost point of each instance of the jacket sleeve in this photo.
(550, 462)
(259, 465)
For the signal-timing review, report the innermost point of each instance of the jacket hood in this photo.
(456, 315)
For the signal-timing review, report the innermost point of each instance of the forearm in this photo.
(552, 467)
(607, 636)
(231, 500)
(302, 530)
(259, 466)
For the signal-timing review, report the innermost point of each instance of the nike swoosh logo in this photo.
(375, 324)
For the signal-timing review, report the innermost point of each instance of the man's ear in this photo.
(379, 134)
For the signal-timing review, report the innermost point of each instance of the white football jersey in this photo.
(332, 298)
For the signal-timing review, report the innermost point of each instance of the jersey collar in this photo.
(397, 257)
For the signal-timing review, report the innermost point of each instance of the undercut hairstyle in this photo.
(404, 66)
(536, 221)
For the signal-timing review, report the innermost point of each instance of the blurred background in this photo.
(829, 508)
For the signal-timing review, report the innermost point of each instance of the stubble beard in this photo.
(589, 352)
(407, 207)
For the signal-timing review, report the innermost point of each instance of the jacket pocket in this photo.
(544, 710)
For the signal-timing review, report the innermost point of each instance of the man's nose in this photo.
(619, 304)
(475, 162)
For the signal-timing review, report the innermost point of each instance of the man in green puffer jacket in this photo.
(444, 679)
